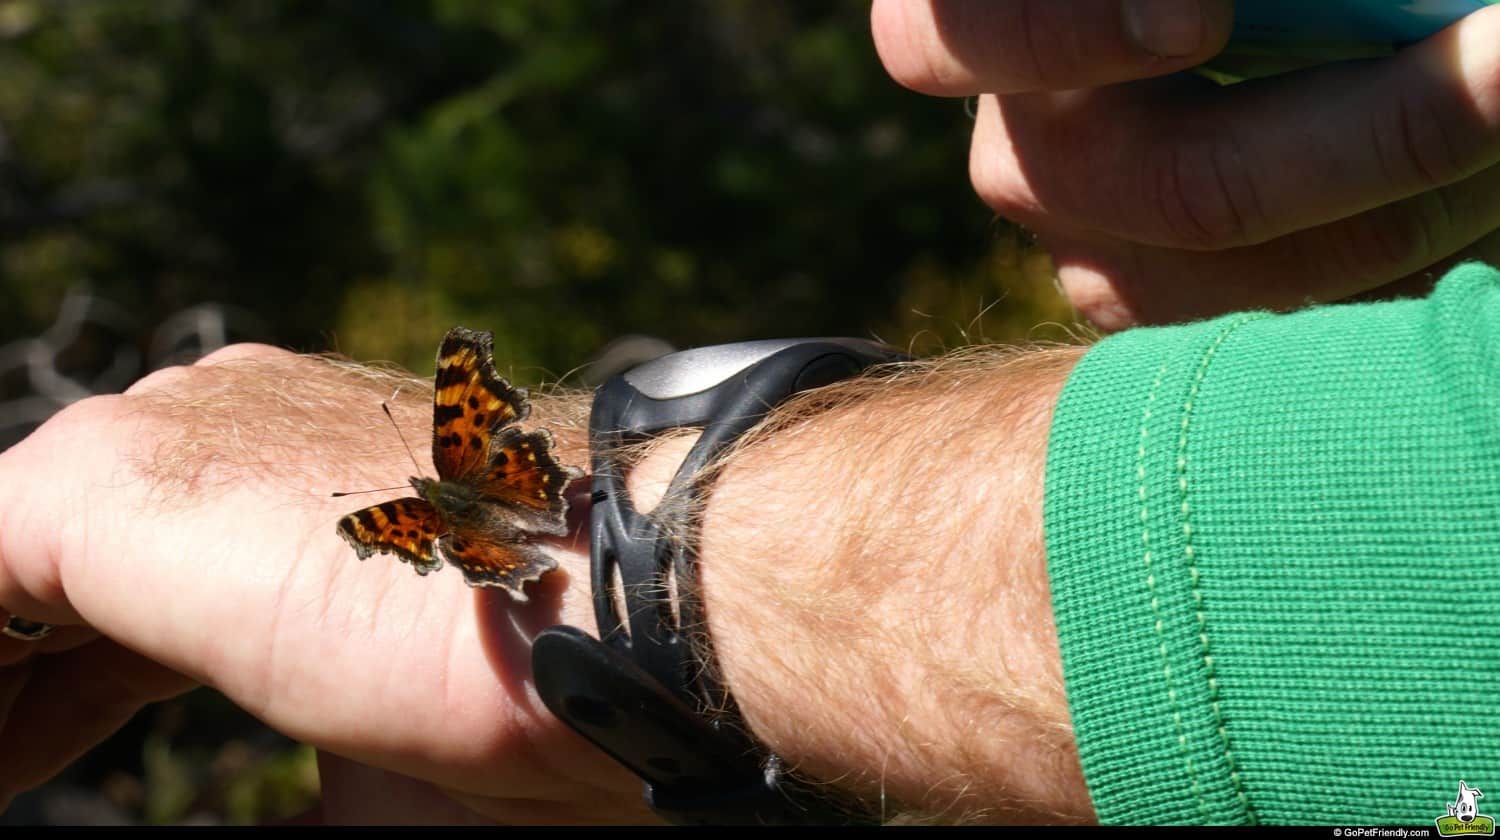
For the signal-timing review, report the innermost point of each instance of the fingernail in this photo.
(1165, 28)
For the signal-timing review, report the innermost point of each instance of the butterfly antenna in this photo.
(376, 490)
(387, 409)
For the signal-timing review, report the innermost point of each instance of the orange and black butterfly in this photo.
(498, 488)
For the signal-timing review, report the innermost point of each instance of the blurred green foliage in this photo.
(196, 759)
(240, 778)
(365, 175)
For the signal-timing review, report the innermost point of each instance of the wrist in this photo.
(874, 584)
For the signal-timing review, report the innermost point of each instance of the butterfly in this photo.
(498, 487)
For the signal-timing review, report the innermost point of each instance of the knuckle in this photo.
(1398, 238)
(1484, 75)
(1097, 298)
(1421, 146)
(914, 74)
(238, 352)
(990, 188)
(159, 380)
(1202, 195)
(69, 437)
(176, 376)
(86, 415)
(1051, 50)
(1435, 134)
(995, 179)
(955, 49)
(912, 54)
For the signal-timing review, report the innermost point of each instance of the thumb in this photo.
(968, 47)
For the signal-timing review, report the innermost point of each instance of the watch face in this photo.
(689, 372)
(1346, 21)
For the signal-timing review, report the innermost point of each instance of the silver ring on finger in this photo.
(26, 630)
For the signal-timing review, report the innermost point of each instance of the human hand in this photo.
(1169, 198)
(183, 533)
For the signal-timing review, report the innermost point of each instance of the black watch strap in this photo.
(637, 692)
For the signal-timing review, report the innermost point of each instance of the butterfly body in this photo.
(453, 499)
(498, 488)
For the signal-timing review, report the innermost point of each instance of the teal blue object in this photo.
(1346, 21)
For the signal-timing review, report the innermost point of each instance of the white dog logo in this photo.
(1465, 807)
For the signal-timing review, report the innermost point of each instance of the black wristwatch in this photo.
(639, 692)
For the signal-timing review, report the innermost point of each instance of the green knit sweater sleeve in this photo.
(1274, 551)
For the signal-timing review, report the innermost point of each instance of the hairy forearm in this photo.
(874, 580)
(873, 569)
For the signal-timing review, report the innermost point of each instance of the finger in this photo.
(32, 534)
(1119, 284)
(71, 702)
(966, 47)
(1181, 163)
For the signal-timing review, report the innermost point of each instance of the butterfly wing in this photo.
(486, 561)
(407, 528)
(526, 477)
(470, 401)
(513, 474)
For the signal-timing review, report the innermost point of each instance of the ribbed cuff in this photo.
(1261, 534)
